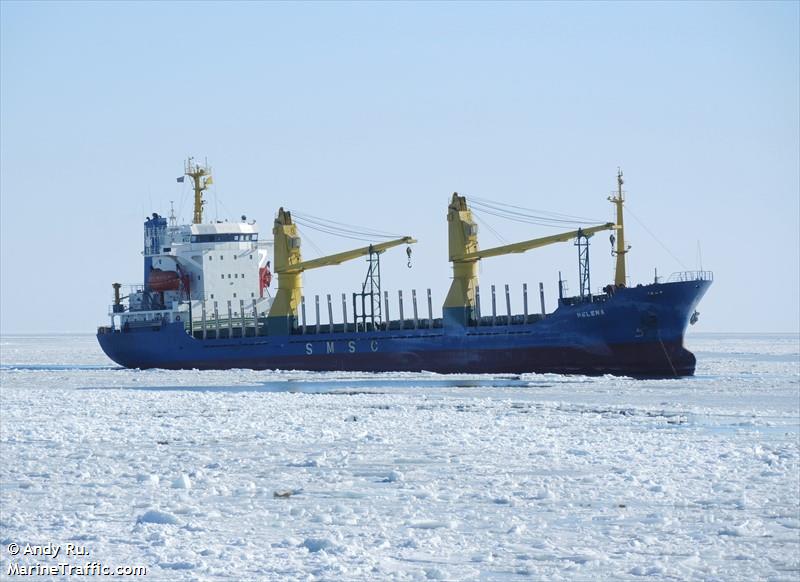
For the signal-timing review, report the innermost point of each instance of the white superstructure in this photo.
(203, 274)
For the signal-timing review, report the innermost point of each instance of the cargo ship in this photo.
(208, 302)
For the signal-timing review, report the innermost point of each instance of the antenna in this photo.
(172, 220)
(699, 255)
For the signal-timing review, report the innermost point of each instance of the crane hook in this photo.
(408, 254)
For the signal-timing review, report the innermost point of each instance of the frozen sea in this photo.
(244, 475)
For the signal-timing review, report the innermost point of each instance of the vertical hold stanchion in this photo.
(255, 318)
(203, 315)
(386, 303)
(316, 308)
(344, 312)
(241, 313)
(478, 305)
(400, 299)
(414, 304)
(525, 302)
(541, 297)
(494, 307)
(303, 311)
(430, 311)
(216, 320)
(508, 306)
(230, 319)
(330, 314)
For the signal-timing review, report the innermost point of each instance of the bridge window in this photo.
(226, 237)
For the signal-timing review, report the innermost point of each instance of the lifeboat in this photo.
(163, 280)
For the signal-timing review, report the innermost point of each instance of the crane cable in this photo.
(527, 215)
(488, 226)
(309, 240)
(644, 226)
(340, 229)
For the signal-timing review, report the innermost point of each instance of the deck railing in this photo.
(685, 276)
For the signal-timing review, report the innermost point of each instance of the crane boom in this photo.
(342, 257)
(535, 243)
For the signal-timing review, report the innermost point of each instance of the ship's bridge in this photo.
(223, 232)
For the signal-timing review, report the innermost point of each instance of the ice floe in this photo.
(244, 475)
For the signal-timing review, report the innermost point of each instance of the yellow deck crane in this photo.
(459, 305)
(289, 267)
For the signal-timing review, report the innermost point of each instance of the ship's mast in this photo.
(620, 278)
(201, 180)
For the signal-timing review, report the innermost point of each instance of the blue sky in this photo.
(373, 113)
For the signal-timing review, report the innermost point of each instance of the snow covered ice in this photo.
(244, 475)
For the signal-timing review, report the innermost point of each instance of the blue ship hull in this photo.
(635, 332)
